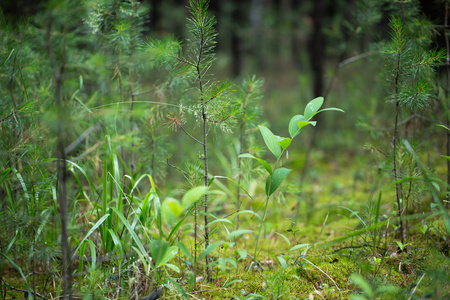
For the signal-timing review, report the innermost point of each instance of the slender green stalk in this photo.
(261, 226)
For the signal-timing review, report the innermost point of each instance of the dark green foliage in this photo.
(410, 66)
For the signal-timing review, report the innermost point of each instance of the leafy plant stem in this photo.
(265, 210)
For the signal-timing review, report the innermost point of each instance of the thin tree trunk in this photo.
(395, 141)
(61, 168)
(316, 48)
(256, 16)
(205, 155)
(396, 171)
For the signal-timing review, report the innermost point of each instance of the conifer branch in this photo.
(190, 135)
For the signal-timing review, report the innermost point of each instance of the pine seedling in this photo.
(210, 102)
(409, 66)
(118, 29)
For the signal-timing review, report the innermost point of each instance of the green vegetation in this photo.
(132, 165)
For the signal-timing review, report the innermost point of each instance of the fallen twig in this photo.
(22, 290)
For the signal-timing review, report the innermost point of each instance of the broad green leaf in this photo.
(312, 107)
(282, 261)
(284, 143)
(192, 196)
(302, 124)
(270, 140)
(261, 161)
(171, 209)
(168, 255)
(239, 232)
(209, 249)
(222, 263)
(298, 247)
(293, 125)
(173, 267)
(231, 262)
(161, 252)
(243, 254)
(274, 180)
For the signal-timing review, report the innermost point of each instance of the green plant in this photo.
(277, 146)
(409, 66)
(210, 105)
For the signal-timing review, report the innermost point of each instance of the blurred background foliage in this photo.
(302, 49)
(125, 96)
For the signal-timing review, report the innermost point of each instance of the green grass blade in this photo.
(93, 254)
(285, 238)
(96, 225)
(91, 185)
(131, 231)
